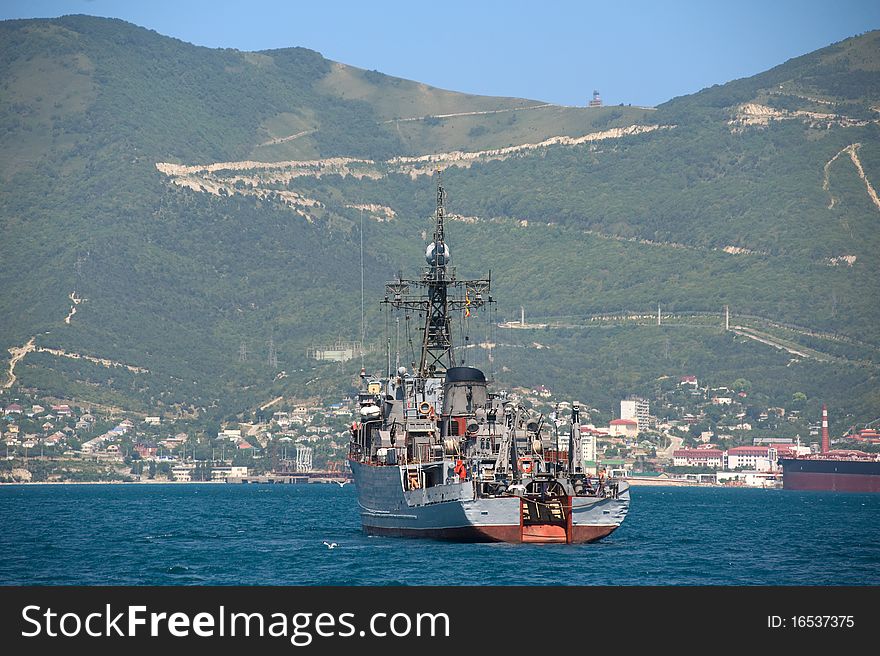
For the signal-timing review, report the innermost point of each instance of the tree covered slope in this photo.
(199, 208)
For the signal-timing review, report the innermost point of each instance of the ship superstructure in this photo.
(436, 453)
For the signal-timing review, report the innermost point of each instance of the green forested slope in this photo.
(194, 285)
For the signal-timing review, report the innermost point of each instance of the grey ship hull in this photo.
(453, 512)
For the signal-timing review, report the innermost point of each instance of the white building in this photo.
(303, 459)
(564, 438)
(756, 458)
(282, 419)
(749, 478)
(588, 445)
(182, 473)
(638, 409)
(698, 458)
(223, 473)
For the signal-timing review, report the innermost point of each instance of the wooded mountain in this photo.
(199, 208)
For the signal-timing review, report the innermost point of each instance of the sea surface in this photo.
(203, 534)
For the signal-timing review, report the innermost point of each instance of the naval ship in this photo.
(436, 453)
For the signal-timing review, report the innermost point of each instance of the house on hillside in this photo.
(624, 427)
(146, 451)
(54, 439)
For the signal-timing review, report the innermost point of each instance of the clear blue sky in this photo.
(638, 51)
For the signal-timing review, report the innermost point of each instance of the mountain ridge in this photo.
(695, 205)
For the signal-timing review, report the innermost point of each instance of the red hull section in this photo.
(543, 533)
(831, 482)
(514, 534)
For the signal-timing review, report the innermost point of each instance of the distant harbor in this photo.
(741, 479)
(707, 435)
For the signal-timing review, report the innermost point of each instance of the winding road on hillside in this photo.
(674, 444)
(17, 353)
(853, 151)
(699, 320)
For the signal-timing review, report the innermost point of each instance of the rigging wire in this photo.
(363, 322)
(397, 343)
(461, 331)
(387, 341)
(493, 332)
(412, 348)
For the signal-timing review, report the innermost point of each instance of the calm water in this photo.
(273, 535)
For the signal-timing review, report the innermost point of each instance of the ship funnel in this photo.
(464, 390)
(826, 442)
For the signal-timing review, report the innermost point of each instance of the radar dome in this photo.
(443, 257)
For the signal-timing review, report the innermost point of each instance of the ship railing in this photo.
(602, 491)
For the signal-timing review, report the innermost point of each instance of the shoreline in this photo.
(632, 482)
(148, 482)
(663, 482)
(673, 483)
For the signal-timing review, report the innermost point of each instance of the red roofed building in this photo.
(146, 451)
(54, 439)
(698, 458)
(868, 435)
(625, 427)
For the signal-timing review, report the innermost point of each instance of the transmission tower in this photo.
(242, 352)
(273, 354)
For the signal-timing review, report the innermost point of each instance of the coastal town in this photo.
(687, 434)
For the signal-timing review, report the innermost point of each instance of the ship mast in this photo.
(438, 350)
(442, 295)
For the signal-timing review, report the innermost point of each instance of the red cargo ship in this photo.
(833, 471)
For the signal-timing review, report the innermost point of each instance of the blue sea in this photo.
(197, 534)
